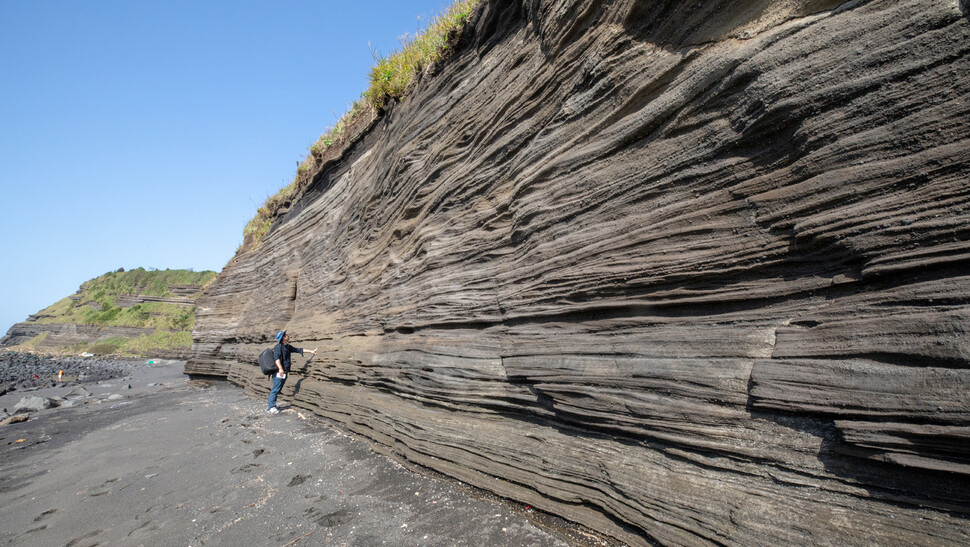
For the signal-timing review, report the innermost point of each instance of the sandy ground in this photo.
(179, 462)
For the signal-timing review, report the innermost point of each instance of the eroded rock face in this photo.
(682, 273)
(61, 335)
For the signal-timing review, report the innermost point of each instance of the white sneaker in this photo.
(273, 410)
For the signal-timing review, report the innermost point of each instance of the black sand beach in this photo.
(153, 458)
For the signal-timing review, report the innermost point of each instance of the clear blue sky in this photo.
(145, 134)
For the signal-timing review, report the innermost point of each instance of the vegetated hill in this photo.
(684, 272)
(138, 312)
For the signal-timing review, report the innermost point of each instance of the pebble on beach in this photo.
(33, 404)
(26, 372)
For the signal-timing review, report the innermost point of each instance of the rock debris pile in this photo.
(24, 371)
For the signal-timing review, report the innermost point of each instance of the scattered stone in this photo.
(25, 371)
(151, 475)
(15, 419)
(77, 393)
(33, 404)
(115, 396)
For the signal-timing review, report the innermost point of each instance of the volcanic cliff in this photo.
(685, 273)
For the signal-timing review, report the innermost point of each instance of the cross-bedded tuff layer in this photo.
(682, 272)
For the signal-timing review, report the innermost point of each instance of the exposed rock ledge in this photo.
(686, 273)
(129, 300)
(62, 335)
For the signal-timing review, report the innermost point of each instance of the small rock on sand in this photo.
(15, 419)
(77, 393)
(33, 404)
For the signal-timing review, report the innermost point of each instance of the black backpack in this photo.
(267, 363)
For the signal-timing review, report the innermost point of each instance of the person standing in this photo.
(281, 353)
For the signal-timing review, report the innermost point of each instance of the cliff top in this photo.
(390, 78)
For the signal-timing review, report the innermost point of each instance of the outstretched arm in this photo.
(303, 351)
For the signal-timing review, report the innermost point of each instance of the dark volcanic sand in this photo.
(190, 463)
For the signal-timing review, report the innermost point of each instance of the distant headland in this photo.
(125, 313)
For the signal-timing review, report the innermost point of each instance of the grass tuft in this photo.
(389, 80)
(391, 75)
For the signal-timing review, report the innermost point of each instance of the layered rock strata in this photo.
(64, 335)
(129, 300)
(61, 335)
(64, 325)
(684, 273)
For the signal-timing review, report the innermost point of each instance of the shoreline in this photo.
(199, 462)
(25, 375)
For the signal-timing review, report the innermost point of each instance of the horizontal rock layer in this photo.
(184, 290)
(127, 301)
(67, 334)
(62, 335)
(684, 273)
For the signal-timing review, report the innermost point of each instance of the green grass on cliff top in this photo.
(145, 345)
(96, 303)
(389, 80)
